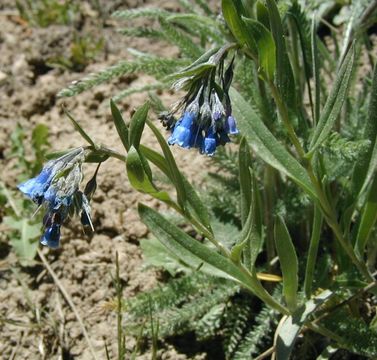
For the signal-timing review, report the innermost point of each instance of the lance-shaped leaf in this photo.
(188, 249)
(265, 46)
(244, 164)
(232, 11)
(334, 102)
(365, 169)
(137, 125)
(78, 127)
(120, 125)
(174, 173)
(185, 192)
(288, 331)
(250, 240)
(262, 14)
(140, 179)
(316, 72)
(156, 159)
(265, 145)
(313, 251)
(284, 74)
(288, 263)
(367, 220)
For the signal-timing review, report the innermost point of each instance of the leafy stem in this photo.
(325, 206)
(283, 111)
(331, 219)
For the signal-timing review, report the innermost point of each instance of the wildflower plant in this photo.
(262, 72)
(56, 188)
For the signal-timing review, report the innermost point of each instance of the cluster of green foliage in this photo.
(44, 13)
(299, 200)
(22, 227)
(83, 51)
(84, 46)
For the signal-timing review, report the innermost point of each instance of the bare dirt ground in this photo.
(40, 324)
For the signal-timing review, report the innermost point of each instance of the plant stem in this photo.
(331, 219)
(283, 111)
(313, 250)
(112, 153)
(325, 206)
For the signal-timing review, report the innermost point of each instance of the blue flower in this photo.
(37, 186)
(209, 144)
(57, 189)
(196, 138)
(51, 236)
(182, 132)
(206, 119)
(231, 126)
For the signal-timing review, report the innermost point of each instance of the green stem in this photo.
(269, 196)
(111, 153)
(326, 333)
(331, 219)
(257, 289)
(329, 212)
(283, 111)
(313, 250)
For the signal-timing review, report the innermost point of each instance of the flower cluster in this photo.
(206, 119)
(56, 188)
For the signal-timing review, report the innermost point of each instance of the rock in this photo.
(3, 77)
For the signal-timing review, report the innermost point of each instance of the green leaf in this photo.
(288, 263)
(196, 70)
(201, 60)
(79, 128)
(156, 254)
(120, 125)
(288, 331)
(139, 178)
(250, 240)
(265, 45)
(25, 242)
(284, 74)
(96, 156)
(316, 72)
(365, 169)
(156, 158)
(174, 173)
(265, 145)
(188, 249)
(244, 161)
(367, 221)
(313, 251)
(185, 191)
(196, 204)
(262, 14)
(334, 102)
(256, 236)
(232, 12)
(137, 125)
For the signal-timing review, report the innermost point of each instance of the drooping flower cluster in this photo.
(206, 119)
(56, 188)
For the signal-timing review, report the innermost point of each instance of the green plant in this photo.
(306, 166)
(83, 51)
(46, 12)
